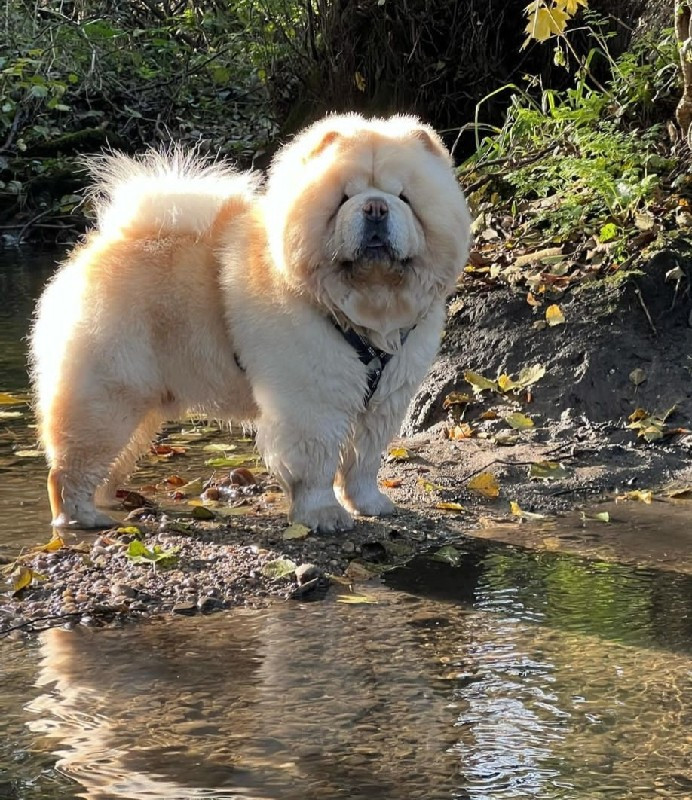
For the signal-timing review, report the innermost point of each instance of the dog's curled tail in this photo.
(163, 192)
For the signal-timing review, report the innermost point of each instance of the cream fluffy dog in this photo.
(280, 306)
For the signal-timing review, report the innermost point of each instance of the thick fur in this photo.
(192, 265)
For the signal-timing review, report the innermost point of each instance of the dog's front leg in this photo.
(304, 454)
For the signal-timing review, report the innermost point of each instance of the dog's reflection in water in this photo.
(288, 703)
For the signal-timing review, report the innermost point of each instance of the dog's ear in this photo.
(328, 138)
(432, 142)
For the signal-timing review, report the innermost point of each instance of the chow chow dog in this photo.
(311, 307)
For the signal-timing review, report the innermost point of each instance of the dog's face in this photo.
(368, 216)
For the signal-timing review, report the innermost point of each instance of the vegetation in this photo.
(234, 77)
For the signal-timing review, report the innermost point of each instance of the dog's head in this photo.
(368, 216)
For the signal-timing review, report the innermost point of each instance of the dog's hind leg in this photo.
(83, 441)
(125, 463)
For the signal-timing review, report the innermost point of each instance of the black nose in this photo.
(375, 209)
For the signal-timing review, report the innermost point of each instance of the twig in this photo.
(472, 187)
(20, 235)
(646, 310)
(29, 623)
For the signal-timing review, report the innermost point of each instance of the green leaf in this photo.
(296, 531)
(518, 421)
(227, 461)
(608, 232)
(279, 568)
(138, 553)
(480, 383)
(547, 471)
(448, 554)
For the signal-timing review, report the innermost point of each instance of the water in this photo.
(514, 674)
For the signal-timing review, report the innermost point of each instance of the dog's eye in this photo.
(404, 199)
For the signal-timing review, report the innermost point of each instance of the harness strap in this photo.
(372, 357)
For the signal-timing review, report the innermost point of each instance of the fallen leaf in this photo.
(532, 300)
(138, 553)
(192, 488)
(603, 516)
(638, 376)
(547, 471)
(461, 431)
(527, 376)
(202, 513)
(28, 453)
(398, 454)
(11, 414)
(174, 480)
(226, 461)
(518, 512)
(489, 414)
(356, 571)
(456, 399)
(519, 421)
(428, 486)
(485, 484)
(56, 543)
(449, 506)
(391, 483)
(356, 599)
(479, 383)
(448, 554)
(166, 450)
(296, 531)
(21, 578)
(642, 495)
(233, 511)
(554, 316)
(130, 530)
(506, 438)
(637, 414)
(219, 447)
(279, 568)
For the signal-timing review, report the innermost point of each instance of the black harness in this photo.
(373, 358)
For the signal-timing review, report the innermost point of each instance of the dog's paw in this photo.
(324, 519)
(84, 519)
(370, 504)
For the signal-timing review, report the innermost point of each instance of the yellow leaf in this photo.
(462, 431)
(478, 382)
(485, 484)
(296, 531)
(356, 599)
(637, 414)
(56, 543)
(489, 414)
(456, 399)
(23, 576)
(505, 382)
(518, 512)
(532, 300)
(359, 80)
(398, 454)
(428, 486)
(447, 506)
(554, 316)
(391, 483)
(7, 399)
(518, 421)
(545, 22)
(642, 495)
